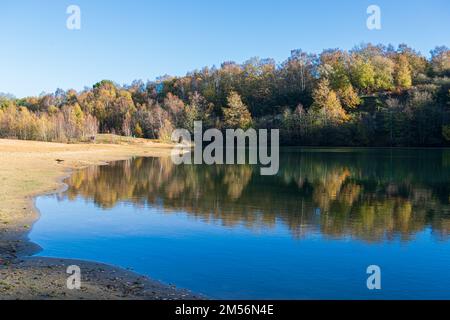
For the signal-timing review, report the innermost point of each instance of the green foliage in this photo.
(446, 132)
(383, 73)
(327, 105)
(236, 114)
(363, 74)
(369, 96)
(403, 73)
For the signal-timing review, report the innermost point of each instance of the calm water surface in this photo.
(227, 232)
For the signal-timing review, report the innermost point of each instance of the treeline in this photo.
(69, 123)
(368, 96)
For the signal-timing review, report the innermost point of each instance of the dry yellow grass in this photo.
(29, 168)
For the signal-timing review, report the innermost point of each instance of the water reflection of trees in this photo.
(368, 195)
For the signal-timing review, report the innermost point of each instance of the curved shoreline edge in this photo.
(32, 278)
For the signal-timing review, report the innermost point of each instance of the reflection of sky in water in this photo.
(235, 262)
(306, 235)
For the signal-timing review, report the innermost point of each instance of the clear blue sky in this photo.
(137, 39)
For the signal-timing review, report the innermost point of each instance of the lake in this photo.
(227, 232)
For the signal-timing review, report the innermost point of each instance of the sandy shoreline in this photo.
(30, 169)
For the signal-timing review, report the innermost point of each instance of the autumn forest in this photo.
(368, 96)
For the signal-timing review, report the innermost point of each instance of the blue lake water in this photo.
(225, 231)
